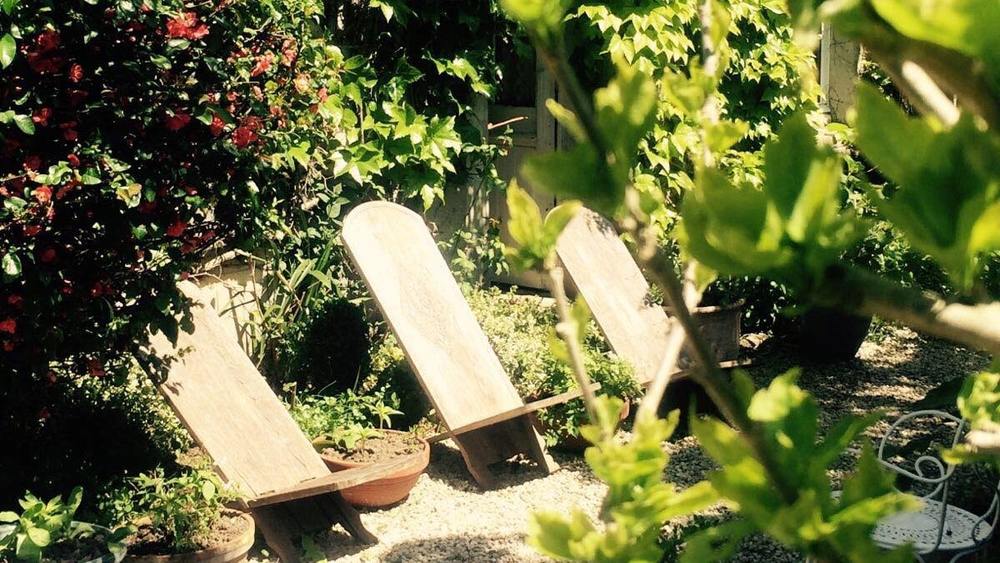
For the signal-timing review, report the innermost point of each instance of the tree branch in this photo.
(852, 289)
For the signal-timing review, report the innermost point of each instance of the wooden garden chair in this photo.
(443, 342)
(602, 270)
(235, 417)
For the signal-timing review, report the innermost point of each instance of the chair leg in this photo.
(348, 517)
(277, 533)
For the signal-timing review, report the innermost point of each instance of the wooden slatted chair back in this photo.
(230, 410)
(606, 275)
(419, 298)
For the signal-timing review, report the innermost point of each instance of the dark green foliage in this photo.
(327, 352)
(61, 433)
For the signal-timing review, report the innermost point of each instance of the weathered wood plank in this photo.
(513, 413)
(603, 271)
(230, 410)
(337, 481)
(410, 281)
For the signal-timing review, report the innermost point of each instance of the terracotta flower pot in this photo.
(388, 490)
(233, 551)
(721, 326)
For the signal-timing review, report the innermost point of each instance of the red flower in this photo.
(41, 116)
(43, 64)
(44, 414)
(177, 228)
(8, 346)
(147, 207)
(75, 73)
(99, 289)
(32, 230)
(70, 135)
(243, 137)
(95, 368)
(8, 325)
(47, 41)
(77, 97)
(177, 121)
(43, 194)
(263, 64)
(73, 160)
(217, 125)
(33, 162)
(185, 26)
(322, 94)
(48, 255)
(15, 301)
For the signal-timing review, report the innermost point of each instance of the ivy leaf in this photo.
(8, 48)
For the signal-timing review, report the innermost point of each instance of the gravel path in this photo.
(447, 518)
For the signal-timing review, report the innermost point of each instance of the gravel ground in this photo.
(446, 518)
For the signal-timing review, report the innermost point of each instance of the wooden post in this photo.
(838, 72)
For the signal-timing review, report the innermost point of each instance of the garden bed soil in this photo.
(147, 541)
(383, 447)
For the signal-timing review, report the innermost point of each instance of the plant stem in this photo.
(711, 377)
(675, 343)
(567, 331)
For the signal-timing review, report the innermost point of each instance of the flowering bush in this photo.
(137, 133)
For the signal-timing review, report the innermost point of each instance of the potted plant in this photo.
(47, 532)
(182, 518)
(829, 335)
(356, 446)
(352, 430)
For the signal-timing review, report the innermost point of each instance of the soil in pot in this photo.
(92, 548)
(387, 445)
(229, 541)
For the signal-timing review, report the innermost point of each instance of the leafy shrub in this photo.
(45, 528)
(520, 329)
(137, 133)
(57, 431)
(317, 415)
(172, 514)
(328, 351)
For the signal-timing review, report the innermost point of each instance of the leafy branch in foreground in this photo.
(793, 230)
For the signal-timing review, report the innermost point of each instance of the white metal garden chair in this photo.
(938, 526)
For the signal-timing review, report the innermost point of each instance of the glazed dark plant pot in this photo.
(830, 335)
(233, 551)
(386, 491)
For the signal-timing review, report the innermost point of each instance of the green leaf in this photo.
(8, 49)
(8, 516)
(525, 225)
(25, 124)
(11, 265)
(573, 174)
(557, 219)
(39, 536)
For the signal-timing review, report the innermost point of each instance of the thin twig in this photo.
(567, 331)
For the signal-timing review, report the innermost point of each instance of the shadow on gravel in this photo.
(457, 548)
(448, 466)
